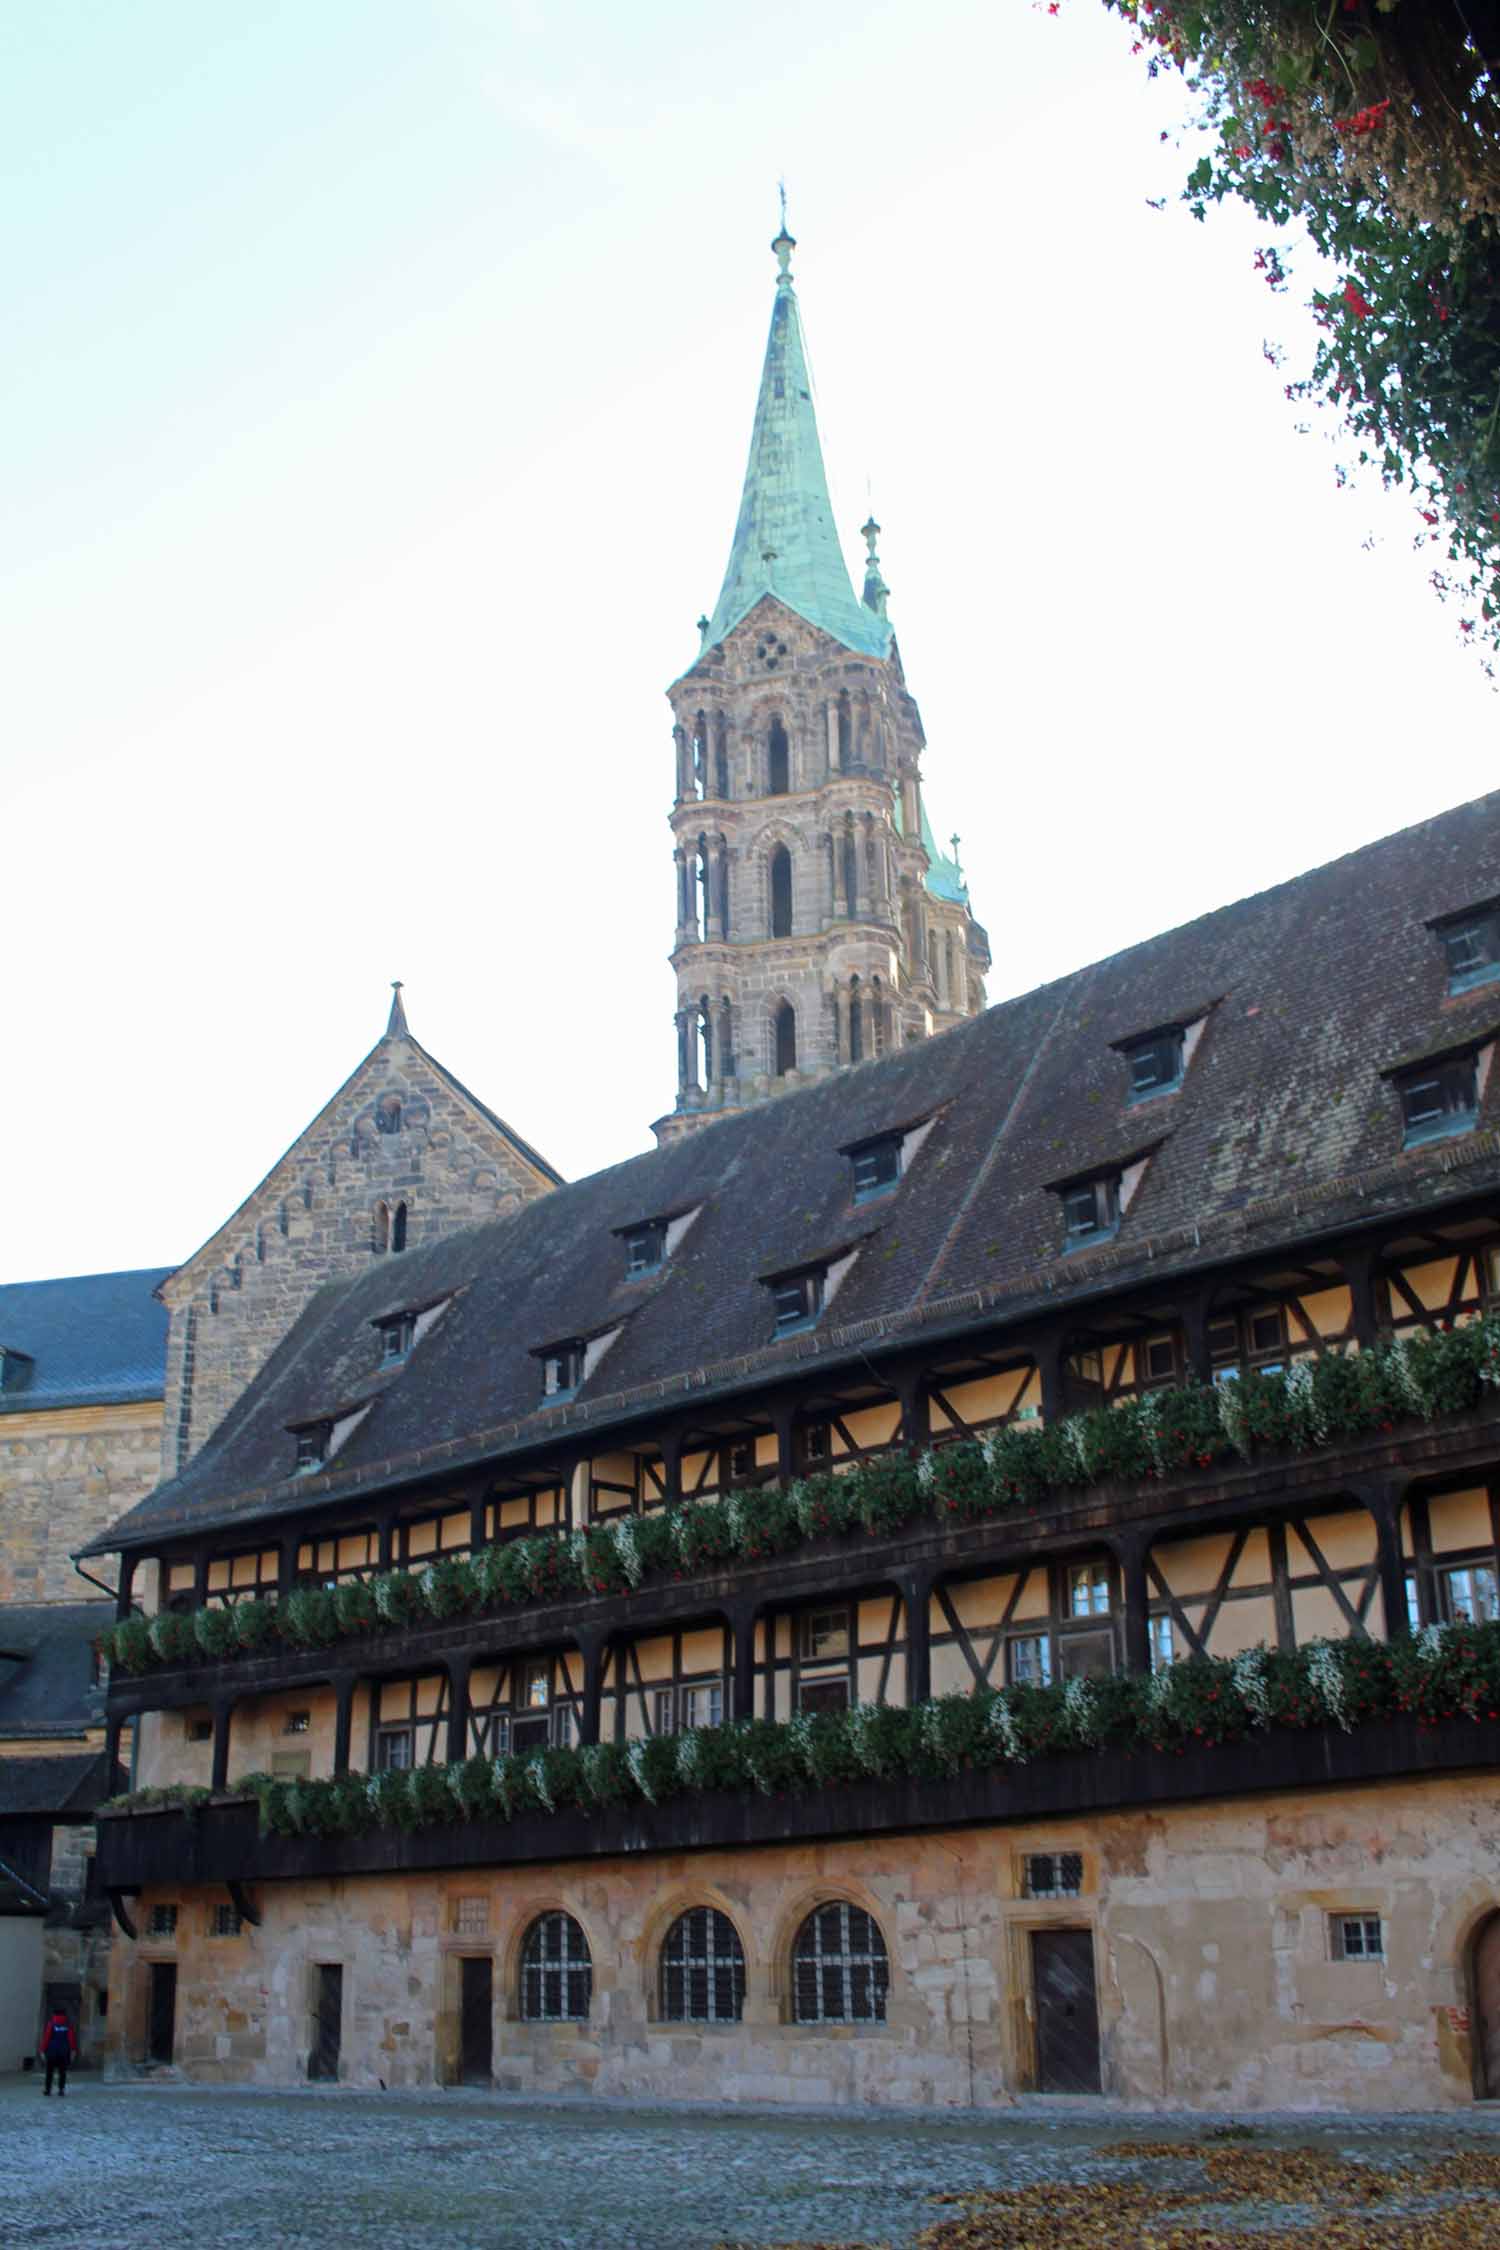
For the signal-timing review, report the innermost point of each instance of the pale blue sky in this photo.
(371, 431)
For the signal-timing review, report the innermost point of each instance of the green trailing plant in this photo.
(1443, 1674)
(1325, 1401)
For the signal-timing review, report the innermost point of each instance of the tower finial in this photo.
(396, 1027)
(785, 243)
(876, 590)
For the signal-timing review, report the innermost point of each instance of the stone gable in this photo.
(403, 1155)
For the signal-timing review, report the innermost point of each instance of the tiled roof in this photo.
(47, 1683)
(1283, 1125)
(39, 1787)
(94, 1340)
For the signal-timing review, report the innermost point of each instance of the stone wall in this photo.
(1210, 1939)
(65, 1476)
(397, 1135)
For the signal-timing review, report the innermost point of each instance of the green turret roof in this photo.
(785, 542)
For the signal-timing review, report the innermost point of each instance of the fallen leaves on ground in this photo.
(1236, 2198)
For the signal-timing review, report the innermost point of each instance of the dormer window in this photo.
(1154, 1063)
(798, 1299)
(562, 1369)
(15, 1369)
(1471, 942)
(645, 1247)
(1091, 1210)
(397, 1337)
(877, 1166)
(1439, 1098)
(312, 1446)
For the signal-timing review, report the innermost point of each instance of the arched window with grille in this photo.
(398, 1227)
(781, 891)
(840, 1969)
(785, 1038)
(557, 1971)
(778, 761)
(702, 1969)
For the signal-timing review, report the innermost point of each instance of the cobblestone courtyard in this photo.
(152, 2168)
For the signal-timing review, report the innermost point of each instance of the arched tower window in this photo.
(726, 1038)
(956, 994)
(781, 892)
(851, 871)
(779, 762)
(846, 730)
(704, 876)
(856, 1022)
(877, 1017)
(700, 753)
(703, 1035)
(398, 1227)
(786, 1038)
(721, 756)
(380, 1233)
(388, 1114)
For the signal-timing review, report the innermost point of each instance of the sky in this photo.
(378, 387)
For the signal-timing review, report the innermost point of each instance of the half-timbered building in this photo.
(979, 1574)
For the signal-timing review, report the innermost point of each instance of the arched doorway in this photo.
(1486, 1990)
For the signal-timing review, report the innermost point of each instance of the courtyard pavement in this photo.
(157, 2167)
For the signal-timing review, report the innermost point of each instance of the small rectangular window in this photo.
(1028, 1659)
(1356, 1937)
(1471, 1594)
(225, 1922)
(664, 1711)
(1088, 1589)
(393, 1749)
(816, 1442)
(1155, 1064)
(562, 1370)
(312, 1447)
(1439, 1098)
(742, 1458)
(1052, 1874)
(703, 1705)
(645, 1247)
(297, 1722)
(1163, 1646)
(1267, 1331)
(536, 1684)
(471, 1916)
(198, 1730)
(527, 1735)
(825, 1635)
(877, 1166)
(1086, 1656)
(1159, 1359)
(163, 1922)
(1091, 1210)
(823, 1695)
(397, 1336)
(1471, 943)
(798, 1300)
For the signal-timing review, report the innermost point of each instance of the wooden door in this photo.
(1067, 2012)
(1487, 2007)
(476, 2022)
(162, 2031)
(328, 2026)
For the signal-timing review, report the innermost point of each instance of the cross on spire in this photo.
(396, 1026)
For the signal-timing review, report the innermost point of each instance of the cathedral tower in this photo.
(817, 922)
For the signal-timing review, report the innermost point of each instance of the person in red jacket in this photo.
(57, 2047)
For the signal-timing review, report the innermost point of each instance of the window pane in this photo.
(840, 1973)
(1031, 1660)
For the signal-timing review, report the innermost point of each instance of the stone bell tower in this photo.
(817, 923)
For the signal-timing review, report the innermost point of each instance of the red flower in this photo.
(1358, 305)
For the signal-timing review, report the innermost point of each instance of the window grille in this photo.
(471, 1916)
(840, 1970)
(1356, 1937)
(702, 1969)
(1052, 1874)
(225, 1921)
(163, 1923)
(557, 1972)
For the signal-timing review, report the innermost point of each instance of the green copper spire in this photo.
(785, 542)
